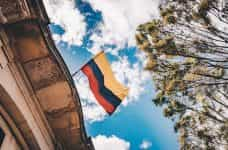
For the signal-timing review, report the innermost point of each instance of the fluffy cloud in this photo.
(102, 142)
(120, 20)
(65, 14)
(145, 145)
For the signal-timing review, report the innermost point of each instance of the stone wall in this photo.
(40, 96)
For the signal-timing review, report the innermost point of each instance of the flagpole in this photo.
(87, 62)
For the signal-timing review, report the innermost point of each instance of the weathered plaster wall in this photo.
(15, 89)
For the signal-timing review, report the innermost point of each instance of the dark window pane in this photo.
(2, 135)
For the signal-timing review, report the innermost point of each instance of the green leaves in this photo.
(160, 100)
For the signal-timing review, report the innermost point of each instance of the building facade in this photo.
(39, 104)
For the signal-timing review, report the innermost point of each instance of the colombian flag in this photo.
(106, 89)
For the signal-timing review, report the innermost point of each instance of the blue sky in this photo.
(136, 120)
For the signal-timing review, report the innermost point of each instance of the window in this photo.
(2, 136)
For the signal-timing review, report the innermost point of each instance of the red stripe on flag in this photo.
(94, 85)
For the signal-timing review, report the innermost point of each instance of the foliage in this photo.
(187, 50)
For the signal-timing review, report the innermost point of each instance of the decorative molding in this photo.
(3, 60)
(14, 128)
(43, 72)
(13, 10)
(3, 19)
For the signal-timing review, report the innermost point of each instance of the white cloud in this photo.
(56, 37)
(102, 142)
(65, 14)
(145, 145)
(120, 20)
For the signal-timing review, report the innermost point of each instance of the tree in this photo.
(187, 51)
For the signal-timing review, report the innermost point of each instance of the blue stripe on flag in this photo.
(106, 93)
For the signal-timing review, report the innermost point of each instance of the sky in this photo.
(82, 28)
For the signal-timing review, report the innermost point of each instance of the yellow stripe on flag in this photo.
(110, 81)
